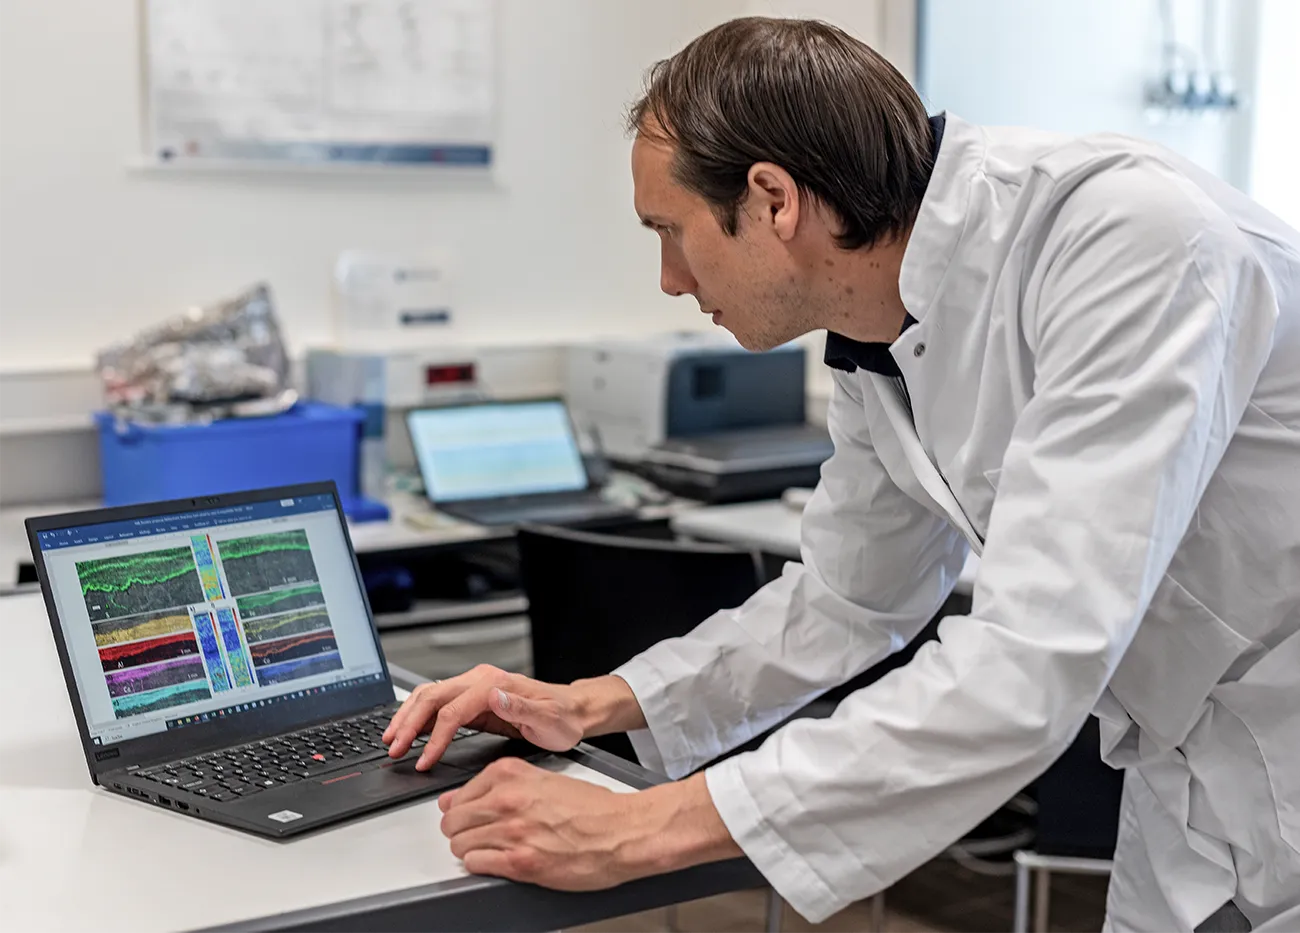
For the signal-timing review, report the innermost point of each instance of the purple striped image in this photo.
(152, 676)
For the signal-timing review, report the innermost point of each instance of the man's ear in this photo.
(773, 199)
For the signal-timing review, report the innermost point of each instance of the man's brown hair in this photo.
(806, 96)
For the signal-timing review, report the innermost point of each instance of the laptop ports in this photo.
(182, 805)
(164, 801)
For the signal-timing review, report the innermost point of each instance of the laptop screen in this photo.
(497, 449)
(172, 620)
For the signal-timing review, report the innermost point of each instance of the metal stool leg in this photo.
(1021, 923)
(775, 910)
(1042, 866)
(671, 919)
(1042, 898)
(878, 912)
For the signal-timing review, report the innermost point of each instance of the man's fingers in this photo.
(414, 715)
(513, 708)
(533, 720)
(417, 697)
(486, 836)
(401, 732)
(462, 819)
(490, 862)
(440, 709)
(453, 714)
(402, 712)
(539, 721)
(417, 702)
(477, 787)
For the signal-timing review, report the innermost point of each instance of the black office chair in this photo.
(597, 600)
(1078, 801)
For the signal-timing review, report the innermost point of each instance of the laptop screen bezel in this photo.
(588, 484)
(218, 733)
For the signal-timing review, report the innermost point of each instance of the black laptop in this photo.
(222, 660)
(507, 463)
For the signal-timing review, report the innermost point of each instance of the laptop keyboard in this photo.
(231, 773)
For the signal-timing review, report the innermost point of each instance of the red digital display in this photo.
(449, 375)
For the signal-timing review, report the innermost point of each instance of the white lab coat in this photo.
(1105, 377)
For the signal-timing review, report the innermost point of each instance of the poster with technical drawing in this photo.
(321, 81)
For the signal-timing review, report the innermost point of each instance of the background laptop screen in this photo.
(487, 451)
(175, 619)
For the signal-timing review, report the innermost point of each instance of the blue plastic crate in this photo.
(310, 443)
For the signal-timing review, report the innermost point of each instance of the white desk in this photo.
(75, 857)
(770, 526)
(13, 536)
(413, 525)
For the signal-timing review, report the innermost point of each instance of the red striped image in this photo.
(148, 651)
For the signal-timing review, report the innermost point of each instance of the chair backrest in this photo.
(1078, 800)
(597, 600)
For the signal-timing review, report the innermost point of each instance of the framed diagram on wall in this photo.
(320, 81)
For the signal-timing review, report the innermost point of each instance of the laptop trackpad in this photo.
(345, 792)
(476, 752)
(394, 778)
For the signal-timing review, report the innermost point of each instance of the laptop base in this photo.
(332, 797)
(587, 510)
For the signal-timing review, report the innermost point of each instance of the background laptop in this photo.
(222, 660)
(506, 463)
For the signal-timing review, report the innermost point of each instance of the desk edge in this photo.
(485, 903)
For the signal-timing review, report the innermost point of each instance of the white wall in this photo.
(91, 251)
(889, 27)
(1077, 67)
(1274, 181)
(886, 25)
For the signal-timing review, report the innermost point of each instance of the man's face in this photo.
(747, 282)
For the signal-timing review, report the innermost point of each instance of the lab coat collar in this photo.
(849, 355)
(941, 222)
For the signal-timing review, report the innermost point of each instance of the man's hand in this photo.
(527, 824)
(550, 716)
(487, 699)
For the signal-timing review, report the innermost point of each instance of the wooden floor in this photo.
(941, 897)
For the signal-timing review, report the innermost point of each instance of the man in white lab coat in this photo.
(1080, 358)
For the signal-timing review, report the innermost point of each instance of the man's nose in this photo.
(673, 278)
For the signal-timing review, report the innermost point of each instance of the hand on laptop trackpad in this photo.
(397, 777)
(406, 766)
